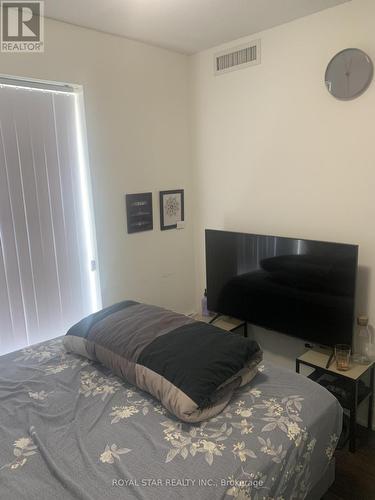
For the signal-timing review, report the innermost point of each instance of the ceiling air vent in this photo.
(237, 58)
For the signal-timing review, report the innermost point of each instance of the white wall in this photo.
(137, 119)
(275, 153)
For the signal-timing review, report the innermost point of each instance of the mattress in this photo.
(69, 429)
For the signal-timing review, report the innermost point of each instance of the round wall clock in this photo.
(349, 74)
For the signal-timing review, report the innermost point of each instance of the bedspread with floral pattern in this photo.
(70, 430)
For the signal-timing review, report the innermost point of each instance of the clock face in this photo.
(349, 74)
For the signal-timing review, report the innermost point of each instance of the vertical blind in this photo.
(48, 279)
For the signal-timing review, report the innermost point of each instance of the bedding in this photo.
(71, 430)
(192, 367)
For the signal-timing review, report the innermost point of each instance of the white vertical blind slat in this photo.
(69, 186)
(6, 327)
(10, 280)
(49, 280)
(27, 181)
(71, 130)
(33, 217)
(10, 214)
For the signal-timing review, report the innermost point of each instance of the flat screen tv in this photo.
(299, 287)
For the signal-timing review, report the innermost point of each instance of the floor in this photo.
(355, 472)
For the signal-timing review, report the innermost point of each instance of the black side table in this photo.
(347, 386)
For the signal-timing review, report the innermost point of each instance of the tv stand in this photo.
(225, 322)
(214, 318)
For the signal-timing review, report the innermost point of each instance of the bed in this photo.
(69, 429)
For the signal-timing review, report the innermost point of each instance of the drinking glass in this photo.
(342, 355)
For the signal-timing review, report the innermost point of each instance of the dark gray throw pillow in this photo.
(190, 366)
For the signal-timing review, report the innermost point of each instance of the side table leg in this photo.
(371, 400)
(353, 419)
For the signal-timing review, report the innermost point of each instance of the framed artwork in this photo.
(139, 212)
(171, 208)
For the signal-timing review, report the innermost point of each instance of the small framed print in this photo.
(171, 208)
(139, 212)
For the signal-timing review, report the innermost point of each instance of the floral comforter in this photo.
(70, 430)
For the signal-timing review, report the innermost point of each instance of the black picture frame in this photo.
(139, 213)
(165, 219)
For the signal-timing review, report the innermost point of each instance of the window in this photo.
(48, 264)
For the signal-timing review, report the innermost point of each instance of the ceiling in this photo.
(187, 26)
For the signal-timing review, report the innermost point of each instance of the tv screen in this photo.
(299, 287)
